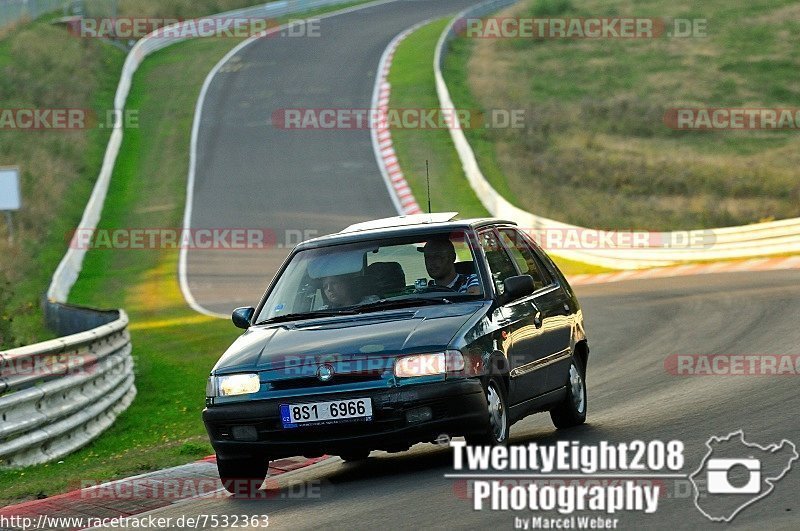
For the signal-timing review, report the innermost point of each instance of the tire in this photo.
(242, 477)
(497, 425)
(572, 411)
(355, 456)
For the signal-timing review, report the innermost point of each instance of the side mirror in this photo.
(241, 317)
(516, 287)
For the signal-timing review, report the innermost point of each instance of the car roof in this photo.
(401, 226)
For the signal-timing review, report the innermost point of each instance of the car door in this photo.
(551, 301)
(519, 319)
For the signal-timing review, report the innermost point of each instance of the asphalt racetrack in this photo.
(251, 174)
(633, 328)
(290, 183)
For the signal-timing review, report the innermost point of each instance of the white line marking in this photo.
(380, 136)
(187, 215)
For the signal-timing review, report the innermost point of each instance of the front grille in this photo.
(338, 379)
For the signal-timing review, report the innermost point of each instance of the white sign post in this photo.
(10, 199)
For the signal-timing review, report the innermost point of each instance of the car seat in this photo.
(385, 278)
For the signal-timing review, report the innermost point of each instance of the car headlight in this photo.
(429, 364)
(233, 384)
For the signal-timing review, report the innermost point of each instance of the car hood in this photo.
(364, 336)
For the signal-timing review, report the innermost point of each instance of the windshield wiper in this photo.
(377, 305)
(399, 303)
(306, 315)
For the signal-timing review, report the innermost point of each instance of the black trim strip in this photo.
(540, 363)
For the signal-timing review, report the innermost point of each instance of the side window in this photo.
(546, 264)
(525, 258)
(500, 265)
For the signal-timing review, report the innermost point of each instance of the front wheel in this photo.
(242, 477)
(572, 411)
(497, 428)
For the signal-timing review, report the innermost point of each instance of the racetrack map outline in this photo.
(724, 507)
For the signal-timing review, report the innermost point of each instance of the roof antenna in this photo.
(428, 179)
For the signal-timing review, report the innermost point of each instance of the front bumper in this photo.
(458, 408)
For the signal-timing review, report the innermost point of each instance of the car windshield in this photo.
(368, 276)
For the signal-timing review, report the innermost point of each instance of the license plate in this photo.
(334, 412)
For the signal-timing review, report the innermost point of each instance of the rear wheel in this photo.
(242, 477)
(497, 427)
(572, 411)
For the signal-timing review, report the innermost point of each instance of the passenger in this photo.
(440, 257)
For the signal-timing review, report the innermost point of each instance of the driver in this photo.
(339, 291)
(440, 257)
(342, 290)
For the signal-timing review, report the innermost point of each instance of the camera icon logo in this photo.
(719, 472)
(735, 474)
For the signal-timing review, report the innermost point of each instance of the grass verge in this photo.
(595, 139)
(45, 68)
(173, 347)
(42, 66)
(413, 86)
(172, 351)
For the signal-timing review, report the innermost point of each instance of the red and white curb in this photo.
(756, 264)
(139, 494)
(382, 136)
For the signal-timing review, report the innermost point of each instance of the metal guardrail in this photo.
(747, 241)
(69, 268)
(57, 396)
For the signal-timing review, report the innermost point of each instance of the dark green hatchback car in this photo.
(394, 332)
